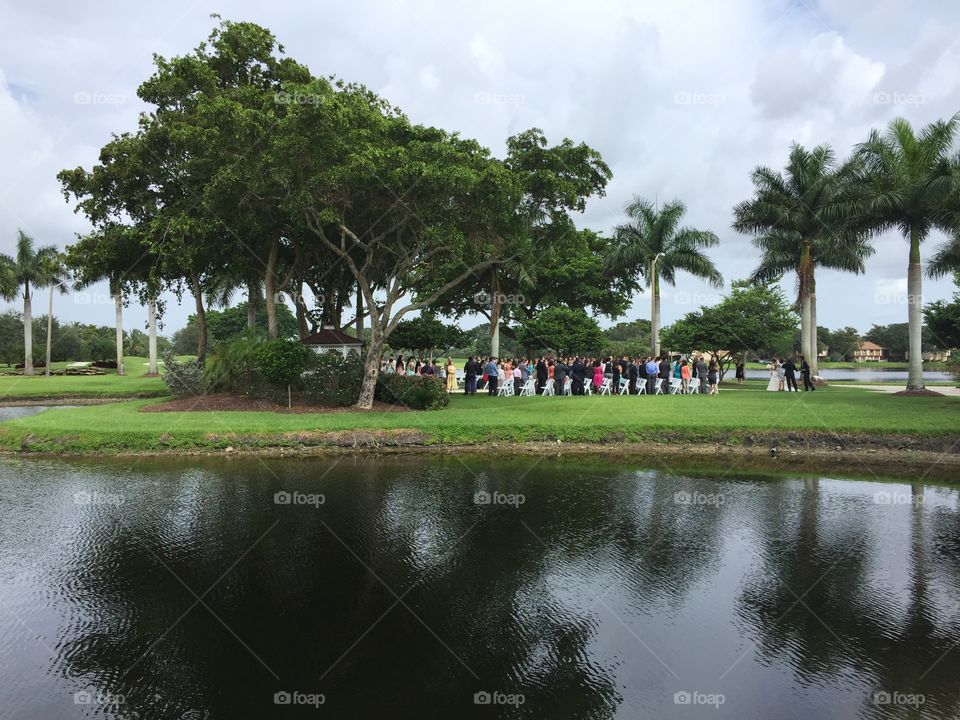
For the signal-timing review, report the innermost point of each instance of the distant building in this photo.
(868, 351)
(932, 355)
(329, 339)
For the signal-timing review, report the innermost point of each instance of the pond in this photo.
(471, 588)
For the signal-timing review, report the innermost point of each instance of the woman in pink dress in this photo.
(597, 374)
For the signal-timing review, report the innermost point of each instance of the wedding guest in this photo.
(713, 376)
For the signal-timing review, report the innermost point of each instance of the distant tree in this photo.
(425, 334)
(943, 322)
(841, 343)
(11, 337)
(562, 330)
(896, 338)
(753, 318)
(634, 331)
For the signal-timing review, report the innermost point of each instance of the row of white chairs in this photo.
(529, 388)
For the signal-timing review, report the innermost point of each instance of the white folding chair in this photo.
(506, 388)
(588, 387)
(567, 386)
(693, 387)
(529, 388)
(548, 387)
(604, 387)
(642, 386)
(658, 386)
(676, 386)
(624, 387)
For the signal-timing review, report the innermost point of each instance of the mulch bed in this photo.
(919, 393)
(227, 401)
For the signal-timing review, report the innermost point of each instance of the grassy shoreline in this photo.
(845, 417)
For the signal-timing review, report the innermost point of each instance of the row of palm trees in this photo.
(819, 213)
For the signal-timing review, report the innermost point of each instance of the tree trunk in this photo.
(252, 299)
(814, 342)
(270, 285)
(27, 332)
(201, 318)
(914, 305)
(655, 313)
(118, 308)
(359, 314)
(153, 368)
(495, 315)
(46, 367)
(371, 370)
(805, 326)
(302, 320)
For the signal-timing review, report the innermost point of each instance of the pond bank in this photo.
(866, 454)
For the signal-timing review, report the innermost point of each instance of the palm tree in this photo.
(907, 182)
(946, 260)
(29, 268)
(654, 246)
(791, 219)
(58, 276)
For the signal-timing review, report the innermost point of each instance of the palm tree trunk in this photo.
(270, 293)
(153, 369)
(46, 366)
(118, 307)
(914, 304)
(655, 313)
(359, 314)
(495, 316)
(805, 326)
(814, 343)
(27, 332)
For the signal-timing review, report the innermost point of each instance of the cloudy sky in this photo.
(682, 99)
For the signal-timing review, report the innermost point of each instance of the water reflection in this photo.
(185, 590)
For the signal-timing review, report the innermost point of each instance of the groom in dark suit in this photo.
(805, 374)
(790, 373)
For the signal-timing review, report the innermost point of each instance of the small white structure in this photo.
(329, 339)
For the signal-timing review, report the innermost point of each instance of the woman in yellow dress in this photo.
(451, 375)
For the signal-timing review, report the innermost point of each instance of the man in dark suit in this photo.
(470, 372)
(665, 374)
(578, 373)
(805, 374)
(633, 372)
(615, 382)
(790, 373)
(559, 376)
(542, 374)
(701, 367)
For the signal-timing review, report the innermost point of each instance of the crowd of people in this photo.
(783, 375)
(588, 374)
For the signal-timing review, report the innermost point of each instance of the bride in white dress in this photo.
(775, 381)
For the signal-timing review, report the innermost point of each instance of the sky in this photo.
(682, 99)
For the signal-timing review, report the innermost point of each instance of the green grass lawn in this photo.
(133, 384)
(747, 409)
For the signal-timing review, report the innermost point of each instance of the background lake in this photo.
(214, 588)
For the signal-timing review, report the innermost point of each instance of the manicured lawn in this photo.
(121, 426)
(133, 384)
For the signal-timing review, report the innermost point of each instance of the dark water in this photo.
(182, 589)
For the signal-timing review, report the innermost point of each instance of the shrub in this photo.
(413, 391)
(183, 378)
(281, 362)
(230, 365)
(105, 364)
(335, 380)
